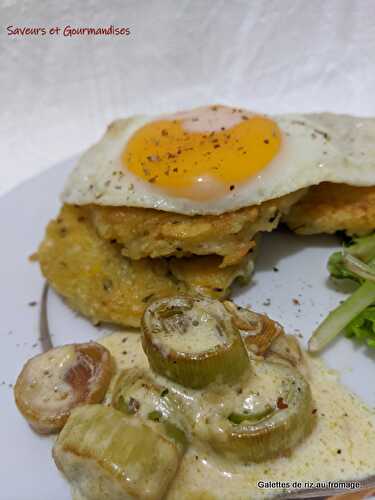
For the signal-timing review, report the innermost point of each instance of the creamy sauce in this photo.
(341, 446)
(202, 334)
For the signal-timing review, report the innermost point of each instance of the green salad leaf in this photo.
(362, 327)
(337, 269)
(356, 315)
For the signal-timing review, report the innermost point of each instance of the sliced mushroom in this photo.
(51, 384)
(258, 331)
(287, 348)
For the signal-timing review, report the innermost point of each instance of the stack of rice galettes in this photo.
(108, 262)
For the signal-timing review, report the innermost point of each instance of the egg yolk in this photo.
(202, 162)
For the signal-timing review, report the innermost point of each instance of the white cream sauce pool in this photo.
(341, 446)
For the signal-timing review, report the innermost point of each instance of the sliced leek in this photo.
(340, 317)
(193, 341)
(135, 393)
(106, 454)
(53, 383)
(260, 418)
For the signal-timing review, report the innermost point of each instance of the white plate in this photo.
(297, 295)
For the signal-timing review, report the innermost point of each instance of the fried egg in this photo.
(216, 159)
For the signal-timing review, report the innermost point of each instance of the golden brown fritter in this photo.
(144, 232)
(329, 207)
(103, 285)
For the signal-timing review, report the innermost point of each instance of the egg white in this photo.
(315, 148)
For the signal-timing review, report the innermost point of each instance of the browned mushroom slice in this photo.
(51, 384)
(257, 330)
(286, 348)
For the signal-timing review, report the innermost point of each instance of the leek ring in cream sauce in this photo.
(193, 341)
(106, 454)
(135, 393)
(259, 418)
